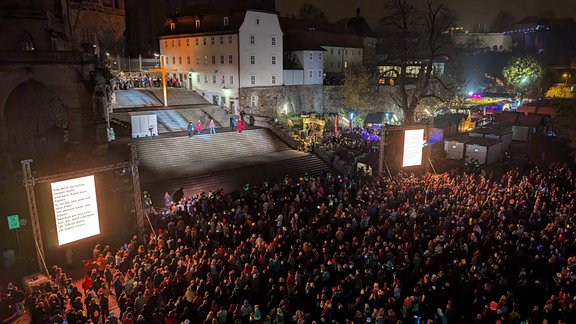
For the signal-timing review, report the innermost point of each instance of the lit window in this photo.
(252, 40)
(254, 101)
(252, 79)
(252, 59)
(226, 21)
(205, 59)
(273, 59)
(198, 78)
(197, 23)
(345, 64)
(273, 79)
(172, 26)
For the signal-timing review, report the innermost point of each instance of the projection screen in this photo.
(75, 209)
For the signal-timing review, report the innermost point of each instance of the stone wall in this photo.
(293, 100)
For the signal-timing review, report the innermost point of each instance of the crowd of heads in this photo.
(432, 248)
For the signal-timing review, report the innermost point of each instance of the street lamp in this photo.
(566, 76)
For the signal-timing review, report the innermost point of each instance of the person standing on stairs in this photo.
(240, 125)
(199, 126)
(212, 126)
(190, 129)
(232, 122)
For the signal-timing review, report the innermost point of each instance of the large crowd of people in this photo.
(359, 249)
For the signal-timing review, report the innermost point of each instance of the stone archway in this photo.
(35, 122)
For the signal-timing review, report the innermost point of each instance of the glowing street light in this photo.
(566, 76)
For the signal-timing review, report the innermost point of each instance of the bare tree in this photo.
(418, 35)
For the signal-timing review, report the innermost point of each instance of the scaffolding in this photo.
(30, 182)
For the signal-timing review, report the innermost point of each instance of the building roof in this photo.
(483, 141)
(460, 138)
(530, 120)
(507, 117)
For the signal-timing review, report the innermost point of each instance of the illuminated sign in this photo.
(75, 209)
(413, 140)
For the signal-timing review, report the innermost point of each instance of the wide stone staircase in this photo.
(225, 160)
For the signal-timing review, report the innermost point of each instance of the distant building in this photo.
(217, 53)
(483, 42)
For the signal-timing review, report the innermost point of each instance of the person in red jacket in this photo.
(86, 283)
(240, 125)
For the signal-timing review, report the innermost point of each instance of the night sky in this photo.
(469, 12)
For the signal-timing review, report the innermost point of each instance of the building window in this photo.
(230, 39)
(173, 59)
(319, 56)
(310, 74)
(230, 60)
(338, 51)
(179, 42)
(197, 23)
(212, 40)
(205, 78)
(213, 59)
(197, 60)
(345, 64)
(187, 41)
(188, 59)
(197, 78)
(221, 59)
(196, 41)
(204, 40)
(252, 79)
(214, 79)
(257, 21)
(253, 101)
(165, 59)
(205, 59)
(222, 79)
(320, 73)
(221, 40)
(172, 26)
(273, 79)
(172, 43)
(273, 59)
(252, 40)
(179, 59)
(231, 79)
(273, 41)
(252, 59)
(331, 51)
(346, 52)
(226, 21)
(165, 43)
(311, 56)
